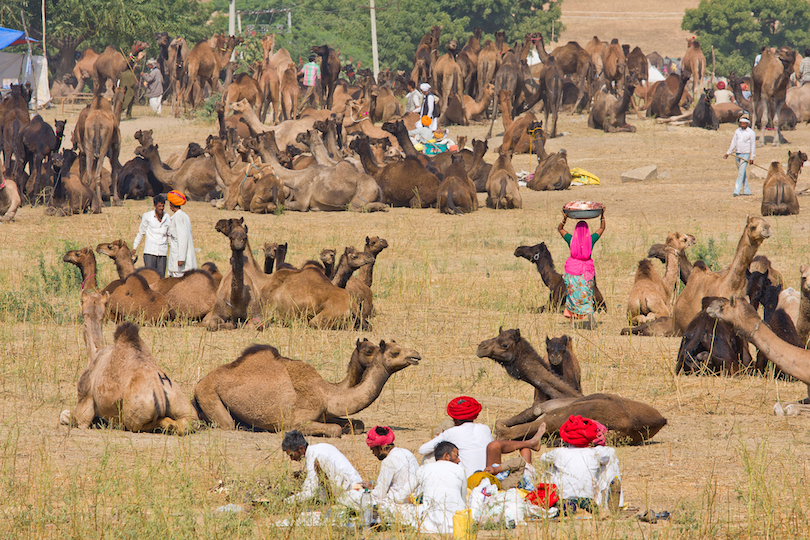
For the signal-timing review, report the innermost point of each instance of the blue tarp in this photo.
(10, 37)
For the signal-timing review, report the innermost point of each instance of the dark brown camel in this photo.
(506, 80)
(178, 55)
(70, 195)
(40, 140)
(610, 114)
(711, 346)
(13, 120)
(330, 71)
(423, 58)
(550, 90)
(666, 103)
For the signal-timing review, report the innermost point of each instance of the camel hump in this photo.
(254, 349)
(128, 334)
(645, 269)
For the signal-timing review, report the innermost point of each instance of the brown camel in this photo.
(423, 59)
(244, 87)
(330, 71)
(631, 421)
(448, 80)
(405, 183)
(558, 293)
(563, 361)
(803, 320)
(550, 90)
(596, 49)
(361, 294)
(473, 109)
(269, 85)
(265, 390)
(384, 105)
(651, 295)
(14, 118)
(695, 62)
(122, 384)
(134, 299)
(70, 195)
(40, 141)
(243, 180)
(289, 93)
(196, 177)
(770, 78)
(508, 88)
(502, 184)
(730, 281)
(797, 98)
(574, 61)
(10, 199)
(203, 66)
(779, 190)
(517, 138)
(178, 56)
(111, 63)
(664, 102)
(552, 172)
(610, 114)
(456, 193)
(83, 68)
(468, 61)
(489, 61)
(614, 66)
(374, 246)
(119, 252)
(794, 361)
(191, 296)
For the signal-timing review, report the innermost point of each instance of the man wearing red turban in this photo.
(397, 477)
(470, 438)
(723, 94)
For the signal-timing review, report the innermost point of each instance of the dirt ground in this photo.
(724, 465)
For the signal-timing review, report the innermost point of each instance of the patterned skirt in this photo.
(580, 296)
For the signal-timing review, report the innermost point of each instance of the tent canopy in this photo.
(10, 37)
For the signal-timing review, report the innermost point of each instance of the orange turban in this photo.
(176, 198)
(463, 408)
(583, 432)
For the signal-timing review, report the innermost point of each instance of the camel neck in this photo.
(672, 270)
(217, 152)
(534, 369)
(371, 167)
(549, 275)
(366, 273)
(405, 141)
(742, 259)
(360, 396)
(93, 337)
(238, 300)
(789, 358)
(343, 272)
(88, 270)
(123, 263)
(354, 373)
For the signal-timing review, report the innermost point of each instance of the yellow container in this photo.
(463, 526)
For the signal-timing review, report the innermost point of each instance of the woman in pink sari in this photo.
(579, 270)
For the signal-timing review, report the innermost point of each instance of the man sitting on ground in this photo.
(443, 487)
(722, 94)
(397, 477)
(329, 473)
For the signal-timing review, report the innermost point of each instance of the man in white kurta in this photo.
(154, 228)
(397, 477)
(582, 472)
(443, 487)
(323, 462)
(182, 256)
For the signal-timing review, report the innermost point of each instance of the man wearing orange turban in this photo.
(397, 477)
(182, 256)
(470, 438)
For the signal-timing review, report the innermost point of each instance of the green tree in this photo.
(738, 29)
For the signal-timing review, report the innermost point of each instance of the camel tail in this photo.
(128, 334)
(97, 141)
(502, 194)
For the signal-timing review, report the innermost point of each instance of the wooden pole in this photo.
(44, 50)
(29, 65)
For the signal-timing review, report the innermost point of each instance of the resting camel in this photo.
(704, 116)
(695, 62)
(516, 135)
(196, 177)
(502, 184)
(384, 104)
(456, 194)
(730, 281)
(111, 63)
(247, 183)
(122, 384)
(70, 195)
(665, 102)
(558, 294)
(779, 190)
(610, 114)
(630, 421)
(119, 252)
(794, 361)
(265, 390)
(803, 321)
(797, 98)
(651, 295)
(472, 109)
(361, 294)
(552, 172)
(770, 78)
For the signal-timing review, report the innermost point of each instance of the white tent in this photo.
(20, 67)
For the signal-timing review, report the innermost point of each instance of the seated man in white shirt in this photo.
(397, 477)
(329, 473)
(722, 94)
(470, 438)
(443, 487)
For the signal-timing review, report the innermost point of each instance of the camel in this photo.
(779, 190)
(558, 294)
(330, 71)
(502, 184)
(10, 199)
(328, 188)
(556, 400)
(196, 177)
(596, 49)
(574, 61)
(289, 93)
(770, 78)
(244, 87)
(244, 181)
(191, 296)
(361, 294)
(269, 85)
(40, 141)
(468, 62)
(489, 61)
(704, 116)
(122, 384)
(111, 63)
(792, 360)
(477, 169)
(448, 80)
(550, 91)
(384, 105)
(508, 88)
(552, 172)
(405, 183)
(70, 195)
(178, 56)
(651, 295)
(472, 109)
(803, 321)
(285, 133)
(797, 98)
(203, 66)
(695, 62)
(614, 66)
(119, 252)
(518, 138)
(423, 59)
(14, 118)
(265, 390)
(83, 67)
(609, 113)
(563, 362)
(730, 281)
(456, 194)
(374, 246)
(664, 102)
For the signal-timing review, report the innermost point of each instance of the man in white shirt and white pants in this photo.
(155, 227)
(744, 148)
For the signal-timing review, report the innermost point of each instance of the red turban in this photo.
(583, 432)
(744, 86)
(176, 198)
(463, 408)
(721, 85)
(375, 439)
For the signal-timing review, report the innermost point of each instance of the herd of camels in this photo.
(354, 153)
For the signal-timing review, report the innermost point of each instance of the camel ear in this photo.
(367, 240)
(566, 340)
(500, 328)
(517, 334)
(803, 269)
(382, 345)
(357, 343)
(547, 341)
(733, 301)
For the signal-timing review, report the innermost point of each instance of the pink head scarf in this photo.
(580, 262)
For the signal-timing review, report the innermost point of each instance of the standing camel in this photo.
(770, 79)
(506, 84)
(448, 80)
(178, 54)
(468, 61)
(695, 61)
(330, 71)
(111, 63)
(203, 66)
(575, 61)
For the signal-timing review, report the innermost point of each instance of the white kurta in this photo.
(397, 478)
(443, 486)
(155, 231)
(181, 245)
(581, 472)
(743, 142)
(334, 466)
(471, 439)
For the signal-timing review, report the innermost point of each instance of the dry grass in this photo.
(723, 465)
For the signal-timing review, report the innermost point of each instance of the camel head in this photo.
(395, 358)
(735, 311)
(502, 348)
(680, 241)
(804, 272)
(78, 256)
(146, 151)
(94, 305)
(270, 249)
(214, 144)
(395, 127)
(686, 75)
(236, 230)
(240, 106)
(535, 131)
(327, 257)
(59, 128)
(375, 244)
(144, 137)
(356, 259)
(111, 249)
(533, 253)
(162, 39)
(322, 50)
(305, 137)
(558, 349)
(364, 353)
(757, 230)
(268, 42)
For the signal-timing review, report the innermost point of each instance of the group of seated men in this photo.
(585, 471)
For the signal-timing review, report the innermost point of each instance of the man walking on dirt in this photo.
(154, 85)
(312, 75)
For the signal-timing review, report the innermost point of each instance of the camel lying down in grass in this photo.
(122, 385)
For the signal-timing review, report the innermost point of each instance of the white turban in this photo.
(424, 87)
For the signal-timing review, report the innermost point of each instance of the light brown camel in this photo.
(614, 66)
(574, 61)
(384, 105)
(191, 296)
(265, 390)
(664, 102)
(289, 93)
(468, 61)
(770, 78)
(374, 246)
(97, 136)
(269, 85)
(70, 195)
(449, 81)
(244, 87)
(111, 63)
(552, 172)
(203, 66)
(242, 180)
(119, 252)
(473, 109)
(779, 190)
(730, 281)
(83, 68)
(695, 62)
(792, 360)
(10, 200)
(651, 295)
(285, 133)
(798, 99)
(489, 60)
(456, 193)
(122, 384)
(502, 184)
(196, 177)
(609, 113)
(596, 48)
(343, 277)
(134, 299)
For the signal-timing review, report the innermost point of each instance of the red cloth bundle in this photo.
(583, 432)
(544, 495)
(463, 408)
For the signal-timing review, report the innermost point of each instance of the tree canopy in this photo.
(738, 29)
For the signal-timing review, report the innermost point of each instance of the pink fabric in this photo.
(580, 262)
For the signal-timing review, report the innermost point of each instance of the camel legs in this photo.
(521, 418)
(321, 429)
(212, 408)
(82, 415)
(12, 194)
